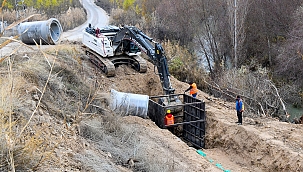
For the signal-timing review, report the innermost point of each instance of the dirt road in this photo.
(95, 16)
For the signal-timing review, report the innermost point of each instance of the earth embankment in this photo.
(263, 144)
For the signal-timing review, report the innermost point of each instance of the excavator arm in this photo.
(131, 35)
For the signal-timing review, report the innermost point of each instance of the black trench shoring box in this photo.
(189, 118)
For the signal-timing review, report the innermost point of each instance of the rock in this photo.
(35, 97)
(109, 155)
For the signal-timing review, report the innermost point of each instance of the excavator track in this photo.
(107, 65)
(102, 63)
(136, 62)
(142, 64)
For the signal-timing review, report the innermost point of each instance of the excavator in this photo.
(112, 46)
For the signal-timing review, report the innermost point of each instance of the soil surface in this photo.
(91, 141)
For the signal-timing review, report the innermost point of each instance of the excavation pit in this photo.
(189, 122)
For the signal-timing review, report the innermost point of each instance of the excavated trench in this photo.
(188, 112)
(247, 145)
(254, 146)
(251, 147)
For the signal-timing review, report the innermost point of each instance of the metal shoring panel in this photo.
(194, 132)
(193, 119)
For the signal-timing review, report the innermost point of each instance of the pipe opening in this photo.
(55, 31)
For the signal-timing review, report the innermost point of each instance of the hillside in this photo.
(61, 101)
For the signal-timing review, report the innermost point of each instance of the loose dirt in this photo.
(96, 140)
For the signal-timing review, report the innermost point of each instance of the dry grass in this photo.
(120, 17)
(10, 16)
(73, 18)
(69, 20)
(22, 145)
(123, 142)
(47, 83)
(21, 149)
(31, 88)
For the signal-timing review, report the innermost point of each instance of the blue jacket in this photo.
(239, 104)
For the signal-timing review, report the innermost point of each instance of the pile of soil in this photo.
(91, 138)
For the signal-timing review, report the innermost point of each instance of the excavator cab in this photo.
(133, 48)
(130, 48)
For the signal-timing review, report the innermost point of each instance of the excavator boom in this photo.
(111, 46)
(151, 48)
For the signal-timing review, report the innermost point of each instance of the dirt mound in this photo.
(260, 144)
(247, 147)
(78, 132)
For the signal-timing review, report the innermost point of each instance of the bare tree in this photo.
(289, 63)
(237, 12)
(261, 96)
(267, 25)
(175, 20)
(211, 36)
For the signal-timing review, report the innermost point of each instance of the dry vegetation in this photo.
(69, 19)
(27, 87)
(31, 88)
(53, 107)
(210, 38)
(260, 95)
(23, 146)
(72, 18)
(182, 63)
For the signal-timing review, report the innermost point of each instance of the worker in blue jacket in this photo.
(240, 109)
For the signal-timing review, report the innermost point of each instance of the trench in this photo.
(189, 118)
(250, 147)
(189, 113)
(245, 146)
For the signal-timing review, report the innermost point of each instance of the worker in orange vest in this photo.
(169, 118)
(193, 89)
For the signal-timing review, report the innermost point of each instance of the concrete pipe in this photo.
(48, 31)
(129, 104)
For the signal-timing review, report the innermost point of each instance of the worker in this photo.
(89, 28)
(193, 89)
(97, 32)
(239, 109)
(169, 118)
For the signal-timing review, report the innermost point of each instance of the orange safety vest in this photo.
(194, 89)
(169, 120)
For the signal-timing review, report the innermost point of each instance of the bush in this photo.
(121, 17)
(72, 18)
(183, 65)
(104, 4)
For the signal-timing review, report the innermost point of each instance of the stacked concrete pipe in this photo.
(46, 32)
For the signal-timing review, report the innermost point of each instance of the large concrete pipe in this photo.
(128, 103)
(48, 31)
